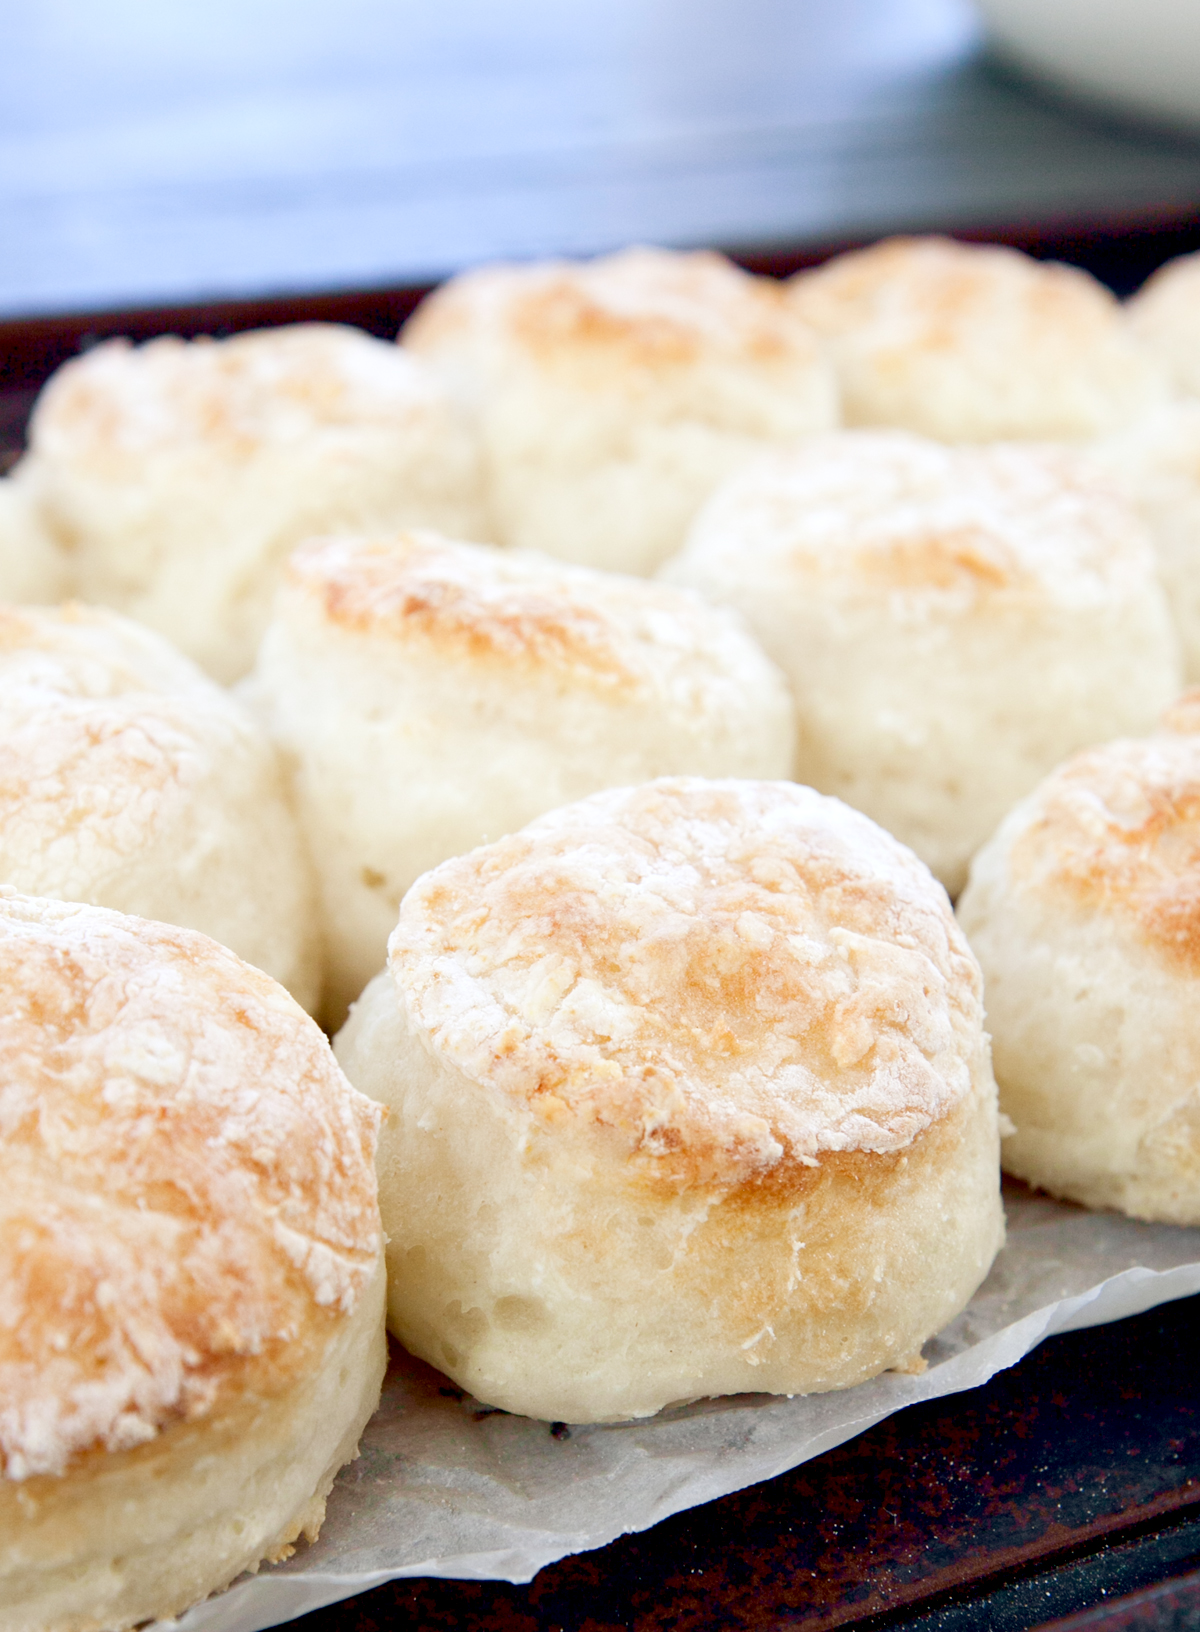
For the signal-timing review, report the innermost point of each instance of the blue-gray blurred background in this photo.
(158, 153)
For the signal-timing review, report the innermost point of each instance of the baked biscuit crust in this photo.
(626, 320)
(1084, 911)
(692, 1084)
(976, 343)
(953, 620)
(614, 394)
(473, 607)
(1118, 834)
(130, 780)
(732, 990)
(189, 1235)
(431, 695)
(178, 475)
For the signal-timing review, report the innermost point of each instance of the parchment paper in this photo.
(446, 1487)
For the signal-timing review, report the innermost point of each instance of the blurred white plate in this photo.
(1132, 56)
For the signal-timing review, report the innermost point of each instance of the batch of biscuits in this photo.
(584, 711)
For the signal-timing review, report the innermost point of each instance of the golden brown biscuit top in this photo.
(189, 1197)
(1116, 831)
(659, 310)
(118, 404)
(641, 309)
(933, 294)
(888, 510)
(103, 728)
(518, 612)
(730, 976)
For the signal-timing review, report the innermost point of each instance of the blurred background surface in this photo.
(158, 154)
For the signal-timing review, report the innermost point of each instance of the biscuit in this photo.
(32, 567)
(613, 395)
(179, 475)
(1165, 316)
(130, 780)
(973, 343)
(953, 621)
(688, 1094)
(1084, 912)
(192, 1333)
(431, 695)
(1157, 463)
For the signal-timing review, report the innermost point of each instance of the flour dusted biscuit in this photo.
(192, 1333)
(32, 567)
(688, 1094)
(130, 780)
(179, 475)
(974, 343)
(614, 394)
(432, 695)
(1165, 316)
(1157, 463)
(953, 620)
(1084, 911)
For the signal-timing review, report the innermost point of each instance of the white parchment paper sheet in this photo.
(444, 1487)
